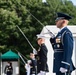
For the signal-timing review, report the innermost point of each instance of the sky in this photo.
(74, 2)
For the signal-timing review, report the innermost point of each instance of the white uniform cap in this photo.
(40, 36)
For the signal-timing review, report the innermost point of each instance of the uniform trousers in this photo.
(8, 73)
(59, 73)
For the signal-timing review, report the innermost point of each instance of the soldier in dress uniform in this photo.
(42, 56)
(8, 69)
(33, 65)
(63, 46)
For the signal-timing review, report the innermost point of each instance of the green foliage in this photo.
(17, 12)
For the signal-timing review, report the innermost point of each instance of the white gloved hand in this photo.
(34, 51)
(41, 73)
(63, 70)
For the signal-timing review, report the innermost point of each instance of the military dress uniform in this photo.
(8, 70)
(63, 48)
(42, 59)
(33, 67)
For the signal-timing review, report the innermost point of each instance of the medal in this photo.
(58, 45)
(57, 40)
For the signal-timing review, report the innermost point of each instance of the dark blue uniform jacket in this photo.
(63, 48)
(33, 65)
(42, 58)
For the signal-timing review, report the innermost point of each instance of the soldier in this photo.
(63, 46)
(33, 64)
(8, 69)
(42, 56)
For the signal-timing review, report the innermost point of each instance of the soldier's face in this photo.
(59, 23)
(32, 56)
(39, 41)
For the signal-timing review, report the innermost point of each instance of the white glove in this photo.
(42, 72)
(27, 67)
(29, 61)
(34, 51)
(63, 70)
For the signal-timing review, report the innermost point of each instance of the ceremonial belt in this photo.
(58, 50)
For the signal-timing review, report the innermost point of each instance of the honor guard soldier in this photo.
(8, 69)
(63, 46)
(33, 65)
(42, 56)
